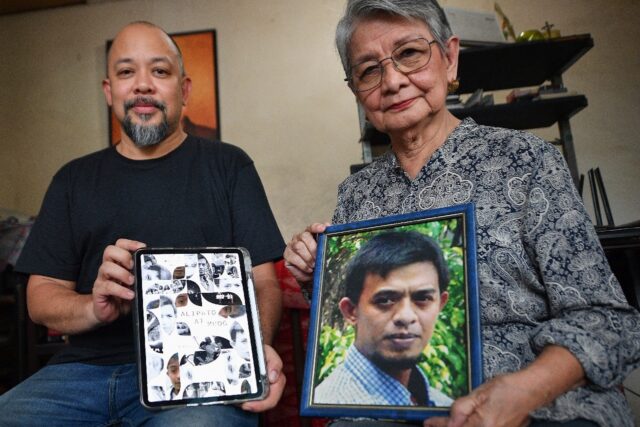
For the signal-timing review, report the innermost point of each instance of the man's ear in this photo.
(349, 310)
(186, 89)
(444, 297)
(106, 88)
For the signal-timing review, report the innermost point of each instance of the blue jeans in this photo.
(77, 394)
(534, 423)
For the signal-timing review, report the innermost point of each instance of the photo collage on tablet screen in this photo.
(196, 327)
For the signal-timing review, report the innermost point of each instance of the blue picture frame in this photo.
(451, 362)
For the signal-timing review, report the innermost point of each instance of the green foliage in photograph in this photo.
(333, 345)
(444, 360)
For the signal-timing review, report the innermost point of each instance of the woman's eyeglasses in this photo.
(406, 58)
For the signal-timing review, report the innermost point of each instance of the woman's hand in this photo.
(277, 381)
(300, 254)
(507, 400)
(501, 402)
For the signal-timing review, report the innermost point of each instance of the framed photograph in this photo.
(201, 116)
(395, 330)
(197, 327)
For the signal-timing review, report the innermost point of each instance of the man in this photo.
(167, 312)
(183, 329)
(191, 266)
(154, 334)
(156, 187)
(152, 271)
(173, 372)
(207, 281)
(177, 286)
(240, 341)
(209, 351)
(396, 285)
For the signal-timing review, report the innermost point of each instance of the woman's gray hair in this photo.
(427, 11)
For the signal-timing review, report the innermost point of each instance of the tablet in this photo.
(197, 327)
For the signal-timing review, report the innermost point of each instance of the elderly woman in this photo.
(558, 335)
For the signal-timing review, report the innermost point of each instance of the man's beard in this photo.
(393, 365)
(145, 135)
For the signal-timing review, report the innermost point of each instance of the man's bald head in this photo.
(124, 32)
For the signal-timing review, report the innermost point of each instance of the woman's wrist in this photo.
(554, 372)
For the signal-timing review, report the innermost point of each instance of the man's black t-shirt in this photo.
(201, 194)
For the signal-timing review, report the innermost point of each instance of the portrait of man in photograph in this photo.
(395, 287)
(173, 372)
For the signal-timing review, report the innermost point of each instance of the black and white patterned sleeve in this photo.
(589, 313)
(343, 202)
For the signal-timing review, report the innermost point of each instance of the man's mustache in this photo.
(144, 100)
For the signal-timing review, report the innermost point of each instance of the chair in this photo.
(622, 248)
(290, 343)
(621, 244)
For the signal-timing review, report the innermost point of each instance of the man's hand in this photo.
(300, 254)
(112, 293)
(277, 381)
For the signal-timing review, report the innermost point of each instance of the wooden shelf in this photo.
(512, 65)
(525, 114)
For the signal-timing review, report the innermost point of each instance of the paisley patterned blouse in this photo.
(542, 273)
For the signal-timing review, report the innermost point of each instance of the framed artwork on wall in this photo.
(201, 116)
(395, 330)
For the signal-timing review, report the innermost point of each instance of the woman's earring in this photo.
(453, 86)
